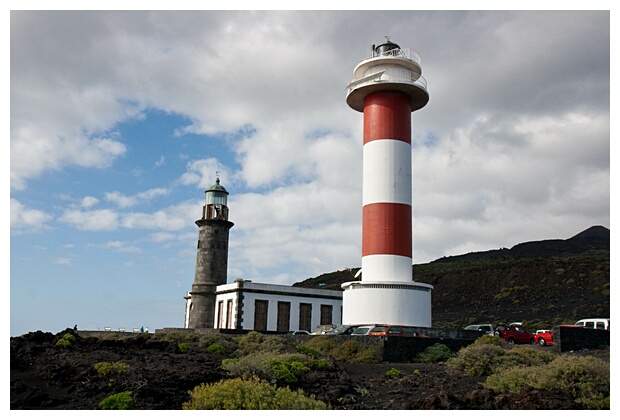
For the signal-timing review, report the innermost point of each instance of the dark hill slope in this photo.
(542, 283)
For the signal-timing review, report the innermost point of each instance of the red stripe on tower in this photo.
(387, 115)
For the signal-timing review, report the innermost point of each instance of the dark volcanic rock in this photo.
(45, 376)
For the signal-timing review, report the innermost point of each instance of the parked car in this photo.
(342, 330)
(487, 328)
(516, 334)
(362, 330)
(300, 332)
(596, 323)
(500, 328)
(544, 337)
(395, 331)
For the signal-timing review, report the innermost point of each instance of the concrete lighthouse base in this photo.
(394, 303)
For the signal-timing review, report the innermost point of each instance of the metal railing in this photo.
(392, 75)
(407, 53)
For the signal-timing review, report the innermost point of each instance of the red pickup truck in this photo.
(515, 334)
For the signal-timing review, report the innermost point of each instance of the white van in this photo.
(596, 323)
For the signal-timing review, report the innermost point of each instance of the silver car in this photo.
(363, 330)
(486, 328)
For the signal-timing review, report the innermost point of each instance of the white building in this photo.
(245, 305)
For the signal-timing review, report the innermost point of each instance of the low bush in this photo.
(477, 360)
(120, 401)
(215, 343)
(319, 364)
(287, 371)
(250, 394)
(353, 352)
(522, 356)
(113, 337)
(587, 379)
(110, 369)
(308, 350)
(177, 336)
(255, 342)
(270, 366)
(393, 373)
(216, 348)
(435, 354)
(183, 347)
(249, 343)
(66, 340)
(322, 344)
(248, 366)
(491, 339)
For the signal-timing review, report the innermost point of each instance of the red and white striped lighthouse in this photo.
(387, 87)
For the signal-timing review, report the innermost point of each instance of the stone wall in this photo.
(570, 338)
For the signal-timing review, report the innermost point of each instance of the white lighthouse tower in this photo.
(387, 87)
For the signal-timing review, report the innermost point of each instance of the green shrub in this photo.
(252, 394)
(276, 344)
(112, 337)
(249, 343)
(434, 354)
(177, 336)
(268, 366)
(216, 348)
(308, 350)
(321, 343)
(393, 373)
(353, 352)
(218, 341)
(477, 360)
(249, 366)
(255, 342)
(67, 340)
(183, 347)
(319, 364)
(287, 371)
(111, 369)
(120, 401)
(587, 379)
(490, 339)
(522, 356)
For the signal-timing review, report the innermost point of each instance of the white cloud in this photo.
(158, 220)
(123, 201)
(34, 151)
(23, 217)
(160, 162)
(202, 173)
(89, 201)
(62, 261)
(93, 220)
(120, 246)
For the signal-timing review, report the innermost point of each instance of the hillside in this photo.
(542, 283)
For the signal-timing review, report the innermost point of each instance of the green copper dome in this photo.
(217, 187)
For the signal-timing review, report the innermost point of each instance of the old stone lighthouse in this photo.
(211, 258)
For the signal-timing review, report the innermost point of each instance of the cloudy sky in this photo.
(119, 120)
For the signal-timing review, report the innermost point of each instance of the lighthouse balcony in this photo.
(388, 79)
(389, 75)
